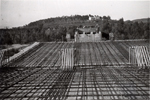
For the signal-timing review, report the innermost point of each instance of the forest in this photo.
(55, 29)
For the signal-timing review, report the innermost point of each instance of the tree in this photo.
(7, 39)
(120, 26)
(106, 26)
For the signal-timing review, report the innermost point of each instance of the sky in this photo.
(16, 13)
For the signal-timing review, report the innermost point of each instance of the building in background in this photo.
(111, 36)
(94, 17)
(68, 37)
(88, 35)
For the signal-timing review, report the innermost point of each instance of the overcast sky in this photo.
(16, 13)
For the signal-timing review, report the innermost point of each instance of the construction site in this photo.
(105, 70)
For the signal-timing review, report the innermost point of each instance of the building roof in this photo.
(87, 29)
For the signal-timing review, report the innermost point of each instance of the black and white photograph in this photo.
(74, 49)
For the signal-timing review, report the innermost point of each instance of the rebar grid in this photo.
(101, 73)
(95, 83)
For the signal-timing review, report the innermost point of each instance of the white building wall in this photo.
(89, 37)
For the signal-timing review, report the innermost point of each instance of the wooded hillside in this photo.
(55, 29)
